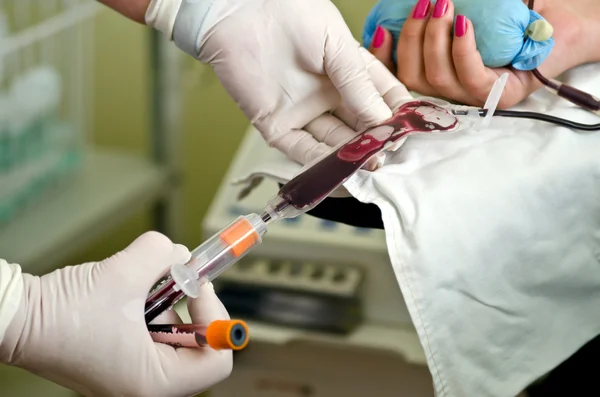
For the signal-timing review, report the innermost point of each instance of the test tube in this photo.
(219, 335)
(209, 260)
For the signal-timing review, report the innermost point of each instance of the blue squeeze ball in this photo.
(507, 32)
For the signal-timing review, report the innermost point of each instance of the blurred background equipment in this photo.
(307, 295)
(59, 189)
(45, 82)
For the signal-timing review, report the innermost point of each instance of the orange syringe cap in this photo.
(227, 334)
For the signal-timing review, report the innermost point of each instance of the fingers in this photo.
(330, 130)
(348, 117)
(382, 47)
(393, 91)
(343, 124)
(145, 261)
(334, 131)
(306, 146)
(207, 307)
(327, 131)
(193, 369)
(437, 63)
(437, 50)
(411, 63)
(474, 76)
(300, 146)
(471, 72)
(347, 70)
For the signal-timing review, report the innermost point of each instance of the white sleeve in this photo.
(11, 287)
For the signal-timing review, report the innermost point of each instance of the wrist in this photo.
(13, 309)
(186, 22)
(576, 28)
(132, 9)
(574, 35)
(161, 15)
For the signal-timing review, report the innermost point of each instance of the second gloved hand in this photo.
(83, 327)
(287, 64)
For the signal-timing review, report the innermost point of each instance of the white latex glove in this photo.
(286, 64)
(83, 327)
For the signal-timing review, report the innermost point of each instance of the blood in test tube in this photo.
(161, 300)
(219, 334)
(320, 179)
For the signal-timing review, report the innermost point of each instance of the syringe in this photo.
(215, 255)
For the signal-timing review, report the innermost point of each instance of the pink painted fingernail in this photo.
(421, 9)
(440, 8)
(378, 37)
(460, 27)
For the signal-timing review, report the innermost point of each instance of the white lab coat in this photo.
(11, 289)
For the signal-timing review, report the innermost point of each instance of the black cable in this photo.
(540, 116)
(571, 94)
(544, 117)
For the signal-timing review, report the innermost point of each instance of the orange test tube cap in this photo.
(227, 334)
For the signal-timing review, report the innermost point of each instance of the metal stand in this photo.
(165, 113)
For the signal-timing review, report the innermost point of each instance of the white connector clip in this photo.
(492, 100)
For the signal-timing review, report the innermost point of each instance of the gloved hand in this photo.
(293, 67)
(83, 327)
(507, 32)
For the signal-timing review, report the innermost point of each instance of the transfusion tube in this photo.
(219, 335)
(302, 193)
(572, 94)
